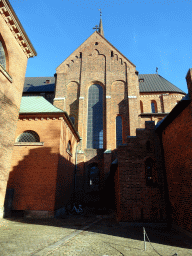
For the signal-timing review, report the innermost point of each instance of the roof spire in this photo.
(101, 24)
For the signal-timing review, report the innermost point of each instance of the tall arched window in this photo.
(2, 56)
(28, 136)
(118, 131)
(153, 106)
(95, 117)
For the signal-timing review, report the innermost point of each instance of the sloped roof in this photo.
(38, 84)
(37, 104)
(156, 83)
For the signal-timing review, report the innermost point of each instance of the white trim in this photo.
(108, 97)
(81, 98)
(28, 143)
(132, 97)
(59, 98)
(5, 73)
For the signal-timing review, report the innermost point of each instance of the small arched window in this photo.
(141, 106)
(2, 56)
(28, 136)
(153, 106)
(93, 172)
(149, 171)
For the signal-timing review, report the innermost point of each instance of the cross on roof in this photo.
(96, 27)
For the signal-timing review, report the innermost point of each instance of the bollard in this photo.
(144, 239)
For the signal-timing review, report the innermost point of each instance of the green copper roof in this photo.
(37, 104)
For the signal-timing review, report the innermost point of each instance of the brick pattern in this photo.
(91, 64)
(136, 200)
(10, 94)
(42, 176)
(165, 102)
(176, 140)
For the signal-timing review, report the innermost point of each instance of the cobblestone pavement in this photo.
(93, 235)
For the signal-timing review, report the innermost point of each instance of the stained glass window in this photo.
(95, 117)
(118, 131)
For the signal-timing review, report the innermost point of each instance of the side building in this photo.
(15, 49)
(42, 174)
(175, 132)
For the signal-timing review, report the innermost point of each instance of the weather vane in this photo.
(97, 27)
(100, 12)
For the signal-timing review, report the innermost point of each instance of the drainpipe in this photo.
(75, 172)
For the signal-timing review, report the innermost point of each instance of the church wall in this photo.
(66, 167)
(170, 100)
(176, 139)
(96, 61)
(42, 175)
(165, 102)
(136, 198)
(11, 87)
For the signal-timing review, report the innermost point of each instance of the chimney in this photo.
(189, 82)
(47, 81)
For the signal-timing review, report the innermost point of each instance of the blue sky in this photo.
(149, 33)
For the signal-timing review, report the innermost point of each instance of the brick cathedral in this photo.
(96, 134)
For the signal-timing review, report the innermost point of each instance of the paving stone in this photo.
(79, 235)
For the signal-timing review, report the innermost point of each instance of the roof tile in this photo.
(156, 83)
(37, 104)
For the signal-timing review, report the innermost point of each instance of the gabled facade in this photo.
(109, 102)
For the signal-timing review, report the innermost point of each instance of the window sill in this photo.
(5, 73)
(29, 144)
(153, 114)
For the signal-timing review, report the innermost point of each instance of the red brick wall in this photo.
(66, 168)
(41, 176)
(10, 94)
(117, 77)
(136, 200)
(178, 162)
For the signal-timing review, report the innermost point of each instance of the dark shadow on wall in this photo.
(35, 182)
(157, 234)
(96, 189)
(74, 112)
(8, 119)
(123, 112)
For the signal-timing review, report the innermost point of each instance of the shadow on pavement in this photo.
(107, 224)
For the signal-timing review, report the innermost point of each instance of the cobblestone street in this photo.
(94, 235)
